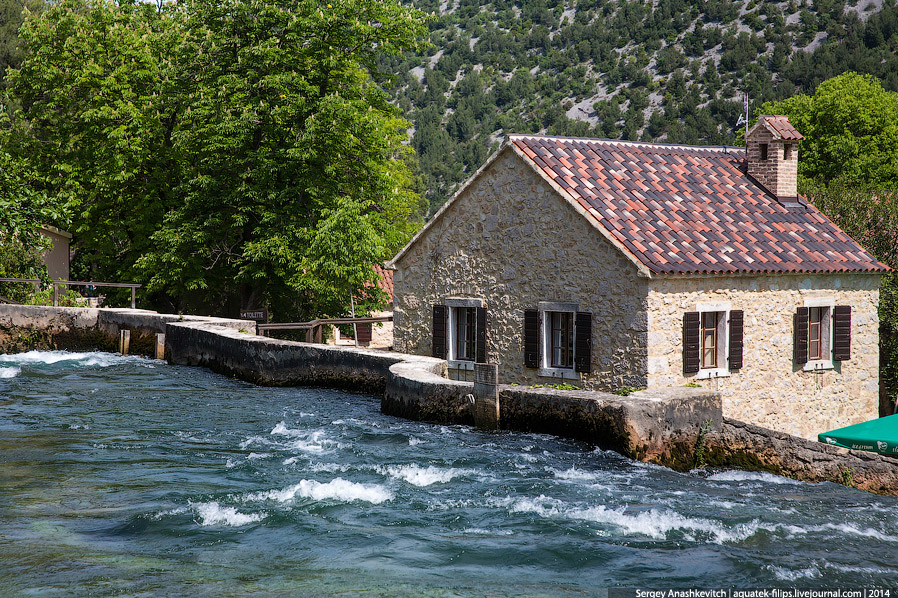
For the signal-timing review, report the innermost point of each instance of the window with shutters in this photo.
(822, 334)
(561, 339)
(712, 340)
(460, 332)
(558, 340)
(465, 320)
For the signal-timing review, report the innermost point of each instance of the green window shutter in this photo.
(691, 342)
(440, 325)
(841, 332)
(737, 318)
(801, 335)
(531, 338)
(583, 342)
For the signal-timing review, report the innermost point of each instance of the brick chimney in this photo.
(772, 156)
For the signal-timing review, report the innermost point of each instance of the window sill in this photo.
(460, 364)
(565, 373)
(822, 364)
(712, 373)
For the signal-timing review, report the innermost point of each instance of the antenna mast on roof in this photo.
(743, 119)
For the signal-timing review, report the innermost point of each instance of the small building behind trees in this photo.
(612, 264)
(57, 256)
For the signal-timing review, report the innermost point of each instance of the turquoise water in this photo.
(121, 476)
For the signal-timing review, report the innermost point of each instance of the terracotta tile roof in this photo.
(386, 280)
(685, 209)
(781, 127)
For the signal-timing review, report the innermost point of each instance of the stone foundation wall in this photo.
(489, 243)
(770, 390)
(26, 327)
(744, 446)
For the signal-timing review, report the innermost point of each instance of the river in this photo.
(127, 476)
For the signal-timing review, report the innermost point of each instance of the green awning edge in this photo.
(876, 435)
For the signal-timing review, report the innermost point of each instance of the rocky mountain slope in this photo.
(668, 70)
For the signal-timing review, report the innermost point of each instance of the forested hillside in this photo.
(672, 70)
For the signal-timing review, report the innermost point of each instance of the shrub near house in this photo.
(610, 264)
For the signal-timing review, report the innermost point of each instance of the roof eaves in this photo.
(640, 266)
(392, 263)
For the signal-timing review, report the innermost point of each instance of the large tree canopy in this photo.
(851, 130)
(23, 209)
(292, 172)
(228, 153)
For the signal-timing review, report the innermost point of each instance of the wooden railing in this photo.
(313, 328)
(78, 283)
(81, 283)
(34, 281)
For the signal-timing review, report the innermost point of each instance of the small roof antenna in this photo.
(743, 119)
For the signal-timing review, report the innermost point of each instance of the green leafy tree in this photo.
(23, 209)
(851, 128)
(94, 126)
(229, 153)
(12, 13)
(292, 175)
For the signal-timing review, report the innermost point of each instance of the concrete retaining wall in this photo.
(26, 327)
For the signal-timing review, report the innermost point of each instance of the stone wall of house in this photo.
(510, 240)
(381, 332)
(771, 390)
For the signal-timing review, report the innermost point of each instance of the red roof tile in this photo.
(684, 209)
(781, 127)
(386, 280)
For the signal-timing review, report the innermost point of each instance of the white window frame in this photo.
(545, 341)
(453, 303)
(827, 336)
(723, 339)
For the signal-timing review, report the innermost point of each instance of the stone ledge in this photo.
(746, 446)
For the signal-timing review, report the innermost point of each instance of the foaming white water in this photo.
(751, 476)
(92, 359)
(844, 528)
(211, 513)
(337, 489)
(787, 574)
(652, 523)
(412, 441)
(578, 475)
(10, 372)
(421, 476)
(307, 441)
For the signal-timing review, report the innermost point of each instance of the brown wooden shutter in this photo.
(531, 338)
(481, 347)
(691, 342)
(364, 333)
(801, 335)
(737, 318)
(583, 342)
(842, 332)
(440, 319)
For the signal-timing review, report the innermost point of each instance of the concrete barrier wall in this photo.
(272, 362)
(25, 327)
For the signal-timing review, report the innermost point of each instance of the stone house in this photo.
(56, 258)
(611, 264)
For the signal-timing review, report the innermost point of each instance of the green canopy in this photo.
(877, 435)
